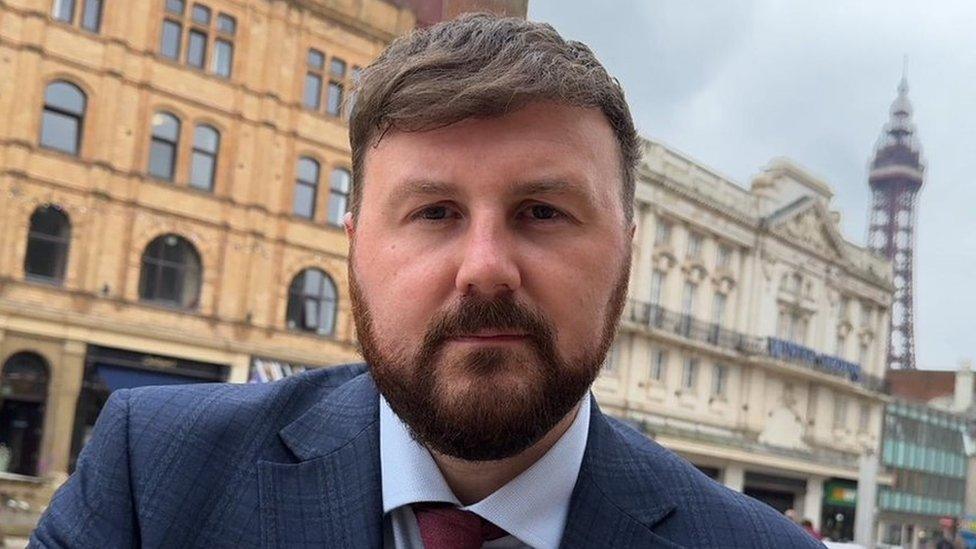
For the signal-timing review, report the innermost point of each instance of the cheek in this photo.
(575, 294)
(403, 291)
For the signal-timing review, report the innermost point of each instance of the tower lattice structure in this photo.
(896, 176)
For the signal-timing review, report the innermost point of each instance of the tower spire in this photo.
(896, 177)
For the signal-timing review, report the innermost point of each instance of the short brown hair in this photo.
(482, 66)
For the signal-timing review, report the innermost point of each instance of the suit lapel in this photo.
(332, 496)
(617, 501)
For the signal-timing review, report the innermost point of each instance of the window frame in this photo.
(160, 264)
(689, 374)
(338, 194)
(217, 40)
(720, 380)
(298, 299)
(213, 156)
(60, 111)
(175, 144)
(312, 185)
(62, 242)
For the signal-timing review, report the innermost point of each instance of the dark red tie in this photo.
(443, 526)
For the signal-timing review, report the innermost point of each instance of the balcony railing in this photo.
(655, 316)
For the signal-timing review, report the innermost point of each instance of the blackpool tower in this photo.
(895, 177)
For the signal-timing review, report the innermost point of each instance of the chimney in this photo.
(963, 398)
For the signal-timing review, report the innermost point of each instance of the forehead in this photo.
(540, 142)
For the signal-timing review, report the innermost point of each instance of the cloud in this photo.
(735, 84)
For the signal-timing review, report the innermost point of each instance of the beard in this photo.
(485, 403)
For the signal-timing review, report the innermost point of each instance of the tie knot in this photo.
(443, 526)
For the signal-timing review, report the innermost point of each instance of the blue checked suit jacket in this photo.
(296, 464)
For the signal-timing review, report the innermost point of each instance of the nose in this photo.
(488, 260)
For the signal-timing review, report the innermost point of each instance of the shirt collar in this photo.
(410, 475)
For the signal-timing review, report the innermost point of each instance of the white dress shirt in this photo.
(532, 507)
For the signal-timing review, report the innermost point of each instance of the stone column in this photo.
(813, 501)
(734, 477)
(62, 402)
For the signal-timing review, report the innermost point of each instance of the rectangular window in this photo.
(864, 420)
(60, 131)
(840, 412)
(694, 246)
(196, 49)
(720, 376)
(689, 376)
(175, 6)
(316, 59)
(162, 159)
(724, 260)
(226, 24)
(334, 105)
(223, 58)
(313, 91)
(841, 349)
(63, 10)
(842, 309)
(304, 200)
(202, 168)
(657, 282)
(170, 41)
(688, 298)
(718, 308)
(338, 68)
(662, 236)
(91, 17)
(201, 15)
(659, 365)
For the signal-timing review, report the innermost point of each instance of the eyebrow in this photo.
(426, 187)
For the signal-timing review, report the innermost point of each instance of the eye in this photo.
(543, 212)
(434, 212)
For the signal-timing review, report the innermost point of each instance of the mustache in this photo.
(476, 313)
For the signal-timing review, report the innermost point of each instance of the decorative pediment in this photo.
(808, 224)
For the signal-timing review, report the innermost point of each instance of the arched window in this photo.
(339, 195)
(63, 118)
(23, 393)
(203, 164)
(312, 303)
(171, 272)
(165, 143)
(48, 240)
(306, 187)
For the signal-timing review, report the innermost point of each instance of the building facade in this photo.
(930, 449)
(754, 340)
(173, 176)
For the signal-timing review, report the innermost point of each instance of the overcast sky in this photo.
(735, 83)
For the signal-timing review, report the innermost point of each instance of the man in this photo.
(490, 233)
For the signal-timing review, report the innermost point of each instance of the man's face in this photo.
(489, 263)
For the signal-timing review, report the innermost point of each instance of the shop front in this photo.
(108, 369)
(840, 500)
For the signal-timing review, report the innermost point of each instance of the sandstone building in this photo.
(172, 178)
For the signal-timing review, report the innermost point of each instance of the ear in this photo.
(349, 224)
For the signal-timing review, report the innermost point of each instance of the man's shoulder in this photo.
(703, 508)
(231, 409)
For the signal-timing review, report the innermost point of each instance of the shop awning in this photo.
(120, 377)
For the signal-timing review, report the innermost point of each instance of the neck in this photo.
(473, 481)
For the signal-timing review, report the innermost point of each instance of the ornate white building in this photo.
(753, 342)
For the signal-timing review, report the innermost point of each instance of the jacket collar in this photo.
(621, 494)
(333, 495)
(334, 420)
